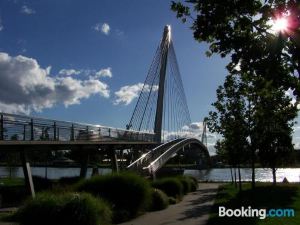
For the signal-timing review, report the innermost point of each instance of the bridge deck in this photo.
(23, 131)
(62, 145)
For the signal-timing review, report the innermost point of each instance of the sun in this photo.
(279, 25)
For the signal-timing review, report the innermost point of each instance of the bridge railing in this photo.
(25, 128)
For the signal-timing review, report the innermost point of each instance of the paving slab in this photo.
(194, 209)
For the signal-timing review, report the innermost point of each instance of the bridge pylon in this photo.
(162, 108)
(164, 49)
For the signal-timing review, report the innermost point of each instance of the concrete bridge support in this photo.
(27, 173)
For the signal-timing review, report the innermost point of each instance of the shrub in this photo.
(189, 183)
(194, 183)
(12, 195)
(84, 209)
(186, 184)
(71, 208)
(159, 200)
(172, 201)
(128, 193)
(69, 180)
(41, 210)
(171, 186)
(41, 183)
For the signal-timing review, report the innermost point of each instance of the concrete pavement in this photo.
(194, 209)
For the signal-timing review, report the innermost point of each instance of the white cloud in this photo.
(128, 93)
(97, 27)
(193, 130)
(104, 73)
(29, 87)
(105, 28)
(26, 10)
(69, 72)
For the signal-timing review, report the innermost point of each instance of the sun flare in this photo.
(279, 25)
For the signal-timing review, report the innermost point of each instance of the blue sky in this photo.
(104, 45)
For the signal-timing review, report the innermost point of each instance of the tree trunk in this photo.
(235, 184)
(240, 181)
(253, 167)
(231, 175)
(274, 175)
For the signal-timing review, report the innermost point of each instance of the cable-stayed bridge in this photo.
(158, 128)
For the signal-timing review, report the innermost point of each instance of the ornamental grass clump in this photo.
(129, 194)
(171, 186)
(159, 200)
(64, 209)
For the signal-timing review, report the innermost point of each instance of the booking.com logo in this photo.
(260, 213)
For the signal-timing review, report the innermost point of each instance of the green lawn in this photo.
(11, 181)
(265, 196)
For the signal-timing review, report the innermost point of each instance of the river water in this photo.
(262, 175)
(220, 174)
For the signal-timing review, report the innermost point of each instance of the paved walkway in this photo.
(192, 210)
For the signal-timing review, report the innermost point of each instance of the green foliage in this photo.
(194, 183)
(41, 183)
(186, 184)
(44, 209)
(159, 200)
(84, 209)
(67, 209)
(172, 201)
(12, 196)
(263, 196)
(252, 111)
(69, 180)
(128, 193)
(171, 186)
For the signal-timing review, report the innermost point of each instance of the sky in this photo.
(84, 61)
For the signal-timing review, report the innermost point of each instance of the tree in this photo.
(230, 120)
(241, 29)
(274, 117)
(238, 28)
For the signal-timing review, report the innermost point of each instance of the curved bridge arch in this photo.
(153, 160)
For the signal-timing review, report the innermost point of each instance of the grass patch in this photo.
(9, 182)
(265, 196)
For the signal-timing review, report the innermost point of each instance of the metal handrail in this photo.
(161, 160)
(22, 128)
(151, 155)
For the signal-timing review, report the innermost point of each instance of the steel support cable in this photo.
(186, 120)
(177, 91)
(180, 80)
(151, 76)
(171, 101)
(150, 92)
(174, 95)
(173, 108)
(143, 94)
(142, 106)
(156, 78)
(137, 104)
(162, 52)
(168, 105)
(149, 114)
